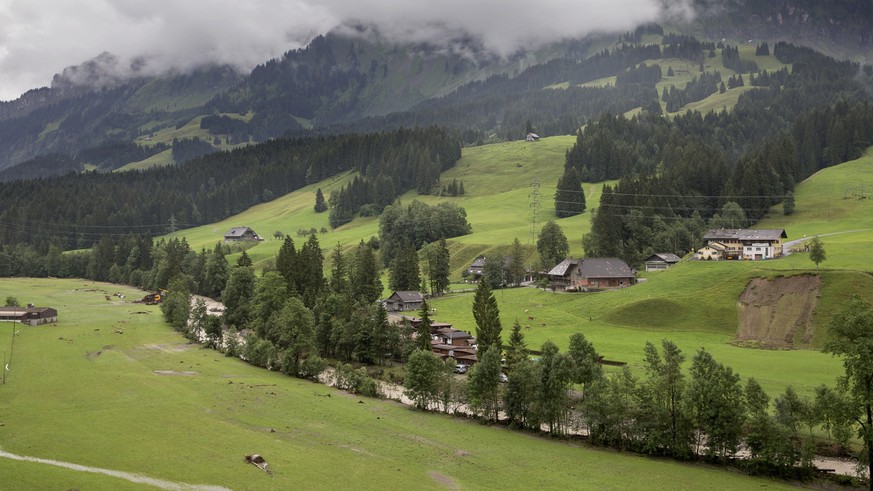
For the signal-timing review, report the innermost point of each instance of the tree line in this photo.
(698, 412)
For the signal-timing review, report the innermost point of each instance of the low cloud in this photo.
(40, 39)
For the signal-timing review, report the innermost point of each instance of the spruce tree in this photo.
(339, 282)
(286, 263)
(516, 263)
(516, 351)
(320, 203)
(244, 260)
(569, 196)
(366, 282)
(487, 317)
(423, 331)
(438, 267)
(404, 274)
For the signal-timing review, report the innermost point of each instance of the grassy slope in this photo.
(497, 179)
(80, 392)
(694, 304)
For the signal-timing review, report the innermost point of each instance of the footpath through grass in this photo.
(111, 386)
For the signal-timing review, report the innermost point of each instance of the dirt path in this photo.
(128, 476)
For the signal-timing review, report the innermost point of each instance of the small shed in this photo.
(660, 261)
(239, 234)
(531, 137)
(403, 300)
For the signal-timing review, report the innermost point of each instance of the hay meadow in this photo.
(112, 386)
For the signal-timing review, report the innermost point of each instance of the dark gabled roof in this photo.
(22, 311)
(563, 267)
(408, 296)
(456, 334)
(605, 267)
(745, 234)
(478, 263)
(667, 257)
(16, 311)
(238, 231)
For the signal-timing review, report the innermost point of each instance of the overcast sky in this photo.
(39, 38)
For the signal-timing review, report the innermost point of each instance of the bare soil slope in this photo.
(777, 313)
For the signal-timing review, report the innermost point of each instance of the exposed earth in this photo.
(777, 313)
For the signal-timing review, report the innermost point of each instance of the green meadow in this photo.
(694, 304)
(111, 386)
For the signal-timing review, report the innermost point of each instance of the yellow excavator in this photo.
(155, 298)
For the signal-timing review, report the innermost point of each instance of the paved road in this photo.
(786, 247)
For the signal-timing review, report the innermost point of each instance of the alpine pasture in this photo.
(111, 386)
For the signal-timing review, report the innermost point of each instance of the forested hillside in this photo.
(76, 210)
(357, 80)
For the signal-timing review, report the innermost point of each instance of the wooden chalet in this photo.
(401, 301)
(240, 234)
(463, 355)
(591, 274)
(31, 315)
(745, 244)
(453, 337)
(660, 261)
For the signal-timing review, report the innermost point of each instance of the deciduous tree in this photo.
(851, 337)
(422, 379)
(483, 389)
(817, 251)
(552, 244)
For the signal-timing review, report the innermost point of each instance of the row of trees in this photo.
(686, 412)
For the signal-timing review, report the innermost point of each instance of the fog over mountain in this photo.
(40, 39)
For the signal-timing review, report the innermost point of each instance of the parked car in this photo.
(503, 378)
(459, 368)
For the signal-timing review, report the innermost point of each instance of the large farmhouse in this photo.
(591, 274)
(29, 315)
(239, 234)
(748, 244)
